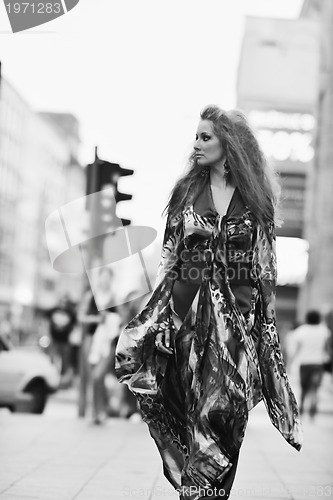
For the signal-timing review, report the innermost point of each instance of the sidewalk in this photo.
(47, 458)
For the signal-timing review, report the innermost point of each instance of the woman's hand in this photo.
(162, 342)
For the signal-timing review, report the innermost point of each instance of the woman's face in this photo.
(207, 146)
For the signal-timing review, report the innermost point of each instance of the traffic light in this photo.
(103, 176)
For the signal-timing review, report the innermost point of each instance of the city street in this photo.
(166, 173)
(59, 456)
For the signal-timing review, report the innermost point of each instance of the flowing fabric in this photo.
(224, 362)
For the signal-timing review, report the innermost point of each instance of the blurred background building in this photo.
(285, 88)
(39, 171)
(318, 288)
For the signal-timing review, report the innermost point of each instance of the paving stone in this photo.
(45, 458)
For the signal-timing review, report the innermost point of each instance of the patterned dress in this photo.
(226, 353)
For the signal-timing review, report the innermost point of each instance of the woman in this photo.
(102, 325)
(311, 349)
(204, 351)
(102, 350)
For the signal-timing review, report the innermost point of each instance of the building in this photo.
(73, 186)
(318, 289)
(38, 159)
(277, 89)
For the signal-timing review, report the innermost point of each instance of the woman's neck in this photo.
(217, 176)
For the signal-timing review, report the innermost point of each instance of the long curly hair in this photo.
(249, 171)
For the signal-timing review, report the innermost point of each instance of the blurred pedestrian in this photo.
(101, 357)
(88, 318)
(328, 365)
(311, 349)
(6, 328)
(205, 350)
(62, 319)
(102, 327)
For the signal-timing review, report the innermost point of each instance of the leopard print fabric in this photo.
(224, 363)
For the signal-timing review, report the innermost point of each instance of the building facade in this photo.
(38, 162)
(318, 288)
(277, 89)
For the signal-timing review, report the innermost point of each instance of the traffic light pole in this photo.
(103, 220)
(92, 256)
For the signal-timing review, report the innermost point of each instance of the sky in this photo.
(135, 74)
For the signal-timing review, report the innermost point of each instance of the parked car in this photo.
(26, 379)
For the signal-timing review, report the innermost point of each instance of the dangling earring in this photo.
(227, 171)
(204, 172)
